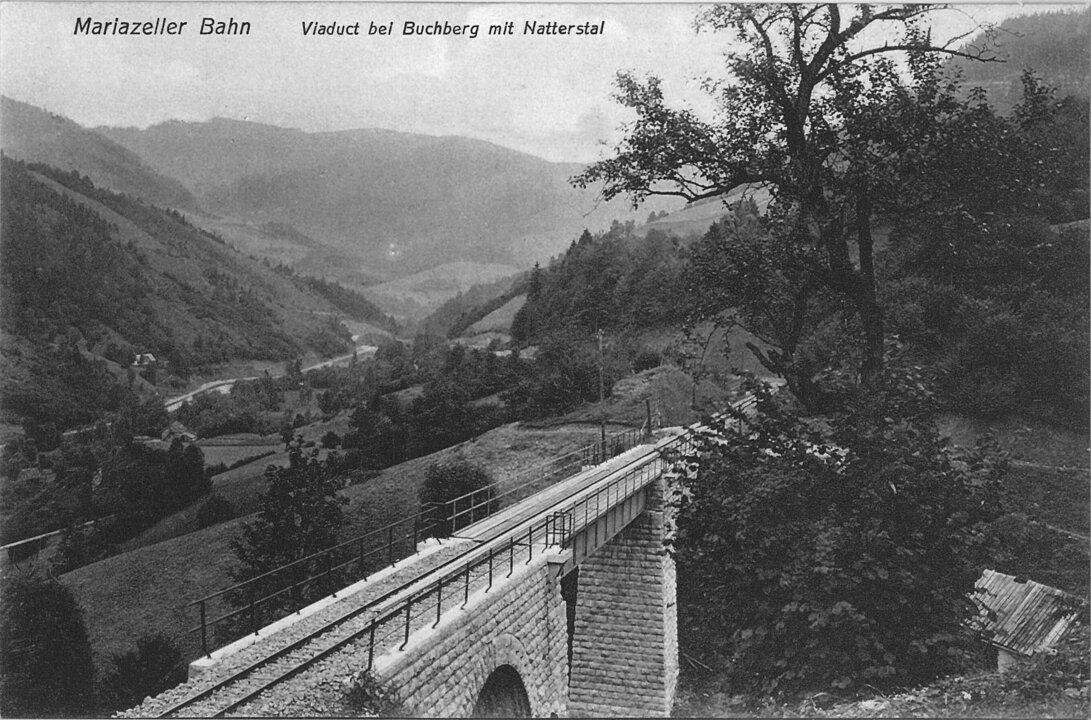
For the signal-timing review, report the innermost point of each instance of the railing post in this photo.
(204, 631)
(511, 555)
(416, 532)
(466, 597)
(530, 544)
(371, 645)
(329, 569)
(390, 545)
(360, 544)
(439, 600)
(490, 571)
(408, 615)
(253, 617)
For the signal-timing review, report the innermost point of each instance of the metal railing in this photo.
(247, 606)
(478, 504)
(288, 588)
(453, 588)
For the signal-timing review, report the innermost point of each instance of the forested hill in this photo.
(34, 135)
(997, 322)
(90, 278)
(610, 281)
(1055, 45)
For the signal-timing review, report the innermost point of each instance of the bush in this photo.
(152, 667)
(646, 360)
(45, 660)
(370, 698)
(80, 546)
(216, 509)
(825, 556)
(331, 440)
(445, 483)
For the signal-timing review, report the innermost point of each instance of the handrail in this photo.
(618, 441)
(312, 556)
(545, 529)
(424, 521)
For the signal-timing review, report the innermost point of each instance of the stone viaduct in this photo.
(584, 631)
(562, 605)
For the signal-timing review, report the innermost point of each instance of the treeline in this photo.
(613, 281)
(457, 314)
(1054, 45)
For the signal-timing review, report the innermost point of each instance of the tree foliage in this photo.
(814, 109)
(834, 553)
(446, 485)
(610, 281)
(300, 513)
(46, 668)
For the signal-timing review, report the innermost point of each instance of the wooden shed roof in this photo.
(1021, 615)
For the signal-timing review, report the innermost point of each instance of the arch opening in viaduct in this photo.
(503, 695)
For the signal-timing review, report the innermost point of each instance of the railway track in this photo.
(372, 621)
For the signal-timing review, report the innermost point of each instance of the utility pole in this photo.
(602, 406)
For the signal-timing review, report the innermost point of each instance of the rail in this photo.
(477, 504)
(245, 607)
(558, 529)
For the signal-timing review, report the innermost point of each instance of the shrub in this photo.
(331, 440)
(646, 360)
(45, 659)
(370, 698)
(152, 667)
(835, 554)
(445, 483)
(80, 546)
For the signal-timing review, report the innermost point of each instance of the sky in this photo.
(548, 96)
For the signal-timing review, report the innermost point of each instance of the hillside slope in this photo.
(34, 135)
(91, 270)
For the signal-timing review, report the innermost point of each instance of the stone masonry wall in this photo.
(520, 622)
(625, 652)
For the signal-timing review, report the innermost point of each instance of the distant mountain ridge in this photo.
(400, 202)
(360, 204)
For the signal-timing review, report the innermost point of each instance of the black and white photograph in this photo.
(436, 359)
